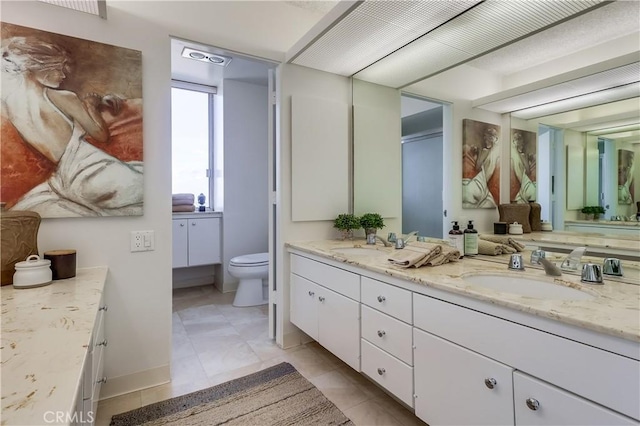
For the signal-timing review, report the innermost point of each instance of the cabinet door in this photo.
(339, 326)
(539, 403)
(204, 241)
(303, 309)
(456, 386)
(180, 243)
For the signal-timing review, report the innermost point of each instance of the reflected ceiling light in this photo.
(628, 91)
(201, 56)
(94, 7)
(618, 129)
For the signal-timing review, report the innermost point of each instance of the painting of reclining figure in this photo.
(480, 165)
(71, 125)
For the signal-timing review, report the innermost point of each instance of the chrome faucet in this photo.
(401, 242)
(549, 268)
(372, 238)
(572, 262)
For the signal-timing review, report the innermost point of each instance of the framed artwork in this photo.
(480, 165)
(71, 126)
(626, 167)
(523, 183)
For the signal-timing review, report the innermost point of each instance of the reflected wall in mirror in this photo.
(579, 160)
(524, 159)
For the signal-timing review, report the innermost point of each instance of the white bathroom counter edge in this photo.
(615, 312)
(46, 332)
(196, 215)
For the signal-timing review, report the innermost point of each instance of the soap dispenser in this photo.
(456, 238)
(470, 240)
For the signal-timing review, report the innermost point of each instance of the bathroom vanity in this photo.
(53, 344)
(196, 239)
(462, 353)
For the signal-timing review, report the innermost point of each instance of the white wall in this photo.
(296, 80)
(138, 290)
(246, 192)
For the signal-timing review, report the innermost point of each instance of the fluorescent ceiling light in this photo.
(94, 7)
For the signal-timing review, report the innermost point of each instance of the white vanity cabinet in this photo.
(325, 305)
(196, 241)
(387, 355)
(456, 386)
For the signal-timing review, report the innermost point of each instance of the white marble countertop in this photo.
(634, 223)
(626, 243)
(614, 310)
(45, 335)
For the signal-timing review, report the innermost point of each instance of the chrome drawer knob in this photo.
(103, 343)
(381, 333)
(182, 224)
(381, 299)
(321, 299)
(533, 404)
(103, 380)
(381, 371)
(193, 224)
(103, 308)
(490, 382)
(311, 293)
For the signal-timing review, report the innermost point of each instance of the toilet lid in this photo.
(256, 259)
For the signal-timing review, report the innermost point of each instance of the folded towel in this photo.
(493, 249)
(503, 239)
(424, 254)
(182, 199)
(183, 208)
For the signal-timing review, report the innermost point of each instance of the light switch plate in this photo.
(142, 241)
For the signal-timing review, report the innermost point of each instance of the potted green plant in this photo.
(597, 211)
(371, 222)
(346, 223)
(588, 212)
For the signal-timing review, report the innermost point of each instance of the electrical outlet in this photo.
(142, 241)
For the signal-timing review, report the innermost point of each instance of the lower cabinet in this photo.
(456, 386)
(329, 318)
(196, 241)
(539, 403)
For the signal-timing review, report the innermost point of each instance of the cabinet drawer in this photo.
(387, 333)
(595, 374)
(338, 280)
(386, 298)
(388, 371)
(557, 407)
(99, 342)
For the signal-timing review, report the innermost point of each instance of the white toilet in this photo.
(252, 270)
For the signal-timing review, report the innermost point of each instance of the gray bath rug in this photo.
(278, 395)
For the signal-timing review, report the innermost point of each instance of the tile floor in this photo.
(214, 342)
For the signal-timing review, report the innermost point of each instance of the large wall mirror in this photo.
(587, 158)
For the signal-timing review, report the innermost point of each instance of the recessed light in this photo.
(211, 58)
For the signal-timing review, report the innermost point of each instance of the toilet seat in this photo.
(250, 260)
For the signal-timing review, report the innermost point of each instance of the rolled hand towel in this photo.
(494, 249)
(182, 199)
(502, 239)
(183, 208)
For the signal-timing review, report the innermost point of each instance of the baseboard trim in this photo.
(134, 382)
(295, 338)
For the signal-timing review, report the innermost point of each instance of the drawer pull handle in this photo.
(103, 308)
(103, 380)
(381, 299)
(490, 382)
(381, 333)
(321, 299)
(311, 293)
(533, 404)
(103, 343)
(182, 224)
(381, 371)
(193, 224)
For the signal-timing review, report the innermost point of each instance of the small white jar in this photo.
(33, 272)
(515, 229)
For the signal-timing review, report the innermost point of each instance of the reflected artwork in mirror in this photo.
(625, 176)
(523, 180)
(480, 165)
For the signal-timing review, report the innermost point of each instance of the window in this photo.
(192, 140)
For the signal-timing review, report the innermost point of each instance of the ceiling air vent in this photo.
(198, 55)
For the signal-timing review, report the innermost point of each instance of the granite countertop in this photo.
(614, 310)
(45, 335)
(632, 223)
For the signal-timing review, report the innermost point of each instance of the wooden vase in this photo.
(19, 235)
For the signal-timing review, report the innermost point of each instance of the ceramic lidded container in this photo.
(515, 229)
(33, 272)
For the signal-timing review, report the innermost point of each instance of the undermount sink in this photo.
(529, 287)
(359, 251)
